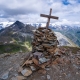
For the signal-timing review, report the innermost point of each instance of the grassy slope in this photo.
(72, 49)
(12, 48)
(73, 44)
(16, 46)
(72, 35)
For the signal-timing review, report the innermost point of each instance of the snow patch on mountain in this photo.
(6, 24)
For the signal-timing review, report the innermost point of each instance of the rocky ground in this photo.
(66, 67)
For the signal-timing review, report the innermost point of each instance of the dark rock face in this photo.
(19, 24)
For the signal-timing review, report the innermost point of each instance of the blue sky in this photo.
(68, 11)
(65, 2)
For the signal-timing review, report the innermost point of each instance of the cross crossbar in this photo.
(53, 17)
(48, 16)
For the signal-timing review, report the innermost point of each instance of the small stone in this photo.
(42, 71)
(42, 60)
(35, 61)
(38, 54)
(15, 74)
(20, 77)
(13, 78)
(32, 68)
(47, 45)
(48, 77)
(27, 62)
(10, 68)
(60, 76)
(47, 69)
(57, 52)
(26, 72)
(20, 69)
(77, 73)
(65, 74)
(75, 66)
(5, 75)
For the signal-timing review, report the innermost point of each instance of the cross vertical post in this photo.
(48, 16)
(49, 19)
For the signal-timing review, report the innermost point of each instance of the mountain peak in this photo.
(18, 22)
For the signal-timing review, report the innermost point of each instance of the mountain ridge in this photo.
(20, 31)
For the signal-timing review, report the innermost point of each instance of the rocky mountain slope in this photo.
(17, 34)
(64, 41)
(17, 31)
(66, 67)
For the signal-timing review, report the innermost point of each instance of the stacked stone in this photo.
(44, 41)
(44, 47)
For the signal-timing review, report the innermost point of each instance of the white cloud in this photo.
(72, 1)
(29, 10)
(67, 22)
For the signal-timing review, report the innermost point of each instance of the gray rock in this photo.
(26, 72)
(32, 68)
(47, 69)
(48, 77)
(42, 60)
(13, 78)
(38, 54)
(5, 75)
(15, 74)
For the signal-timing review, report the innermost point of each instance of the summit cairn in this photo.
(44, 49)
(44, 44)
(45, 40)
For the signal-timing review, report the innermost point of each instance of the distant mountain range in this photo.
(18, 31)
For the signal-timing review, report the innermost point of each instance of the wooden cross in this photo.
(48, 16)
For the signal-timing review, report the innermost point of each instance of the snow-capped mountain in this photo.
(17, 31)
(67, 35)
(1, 26)
(5, 24)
